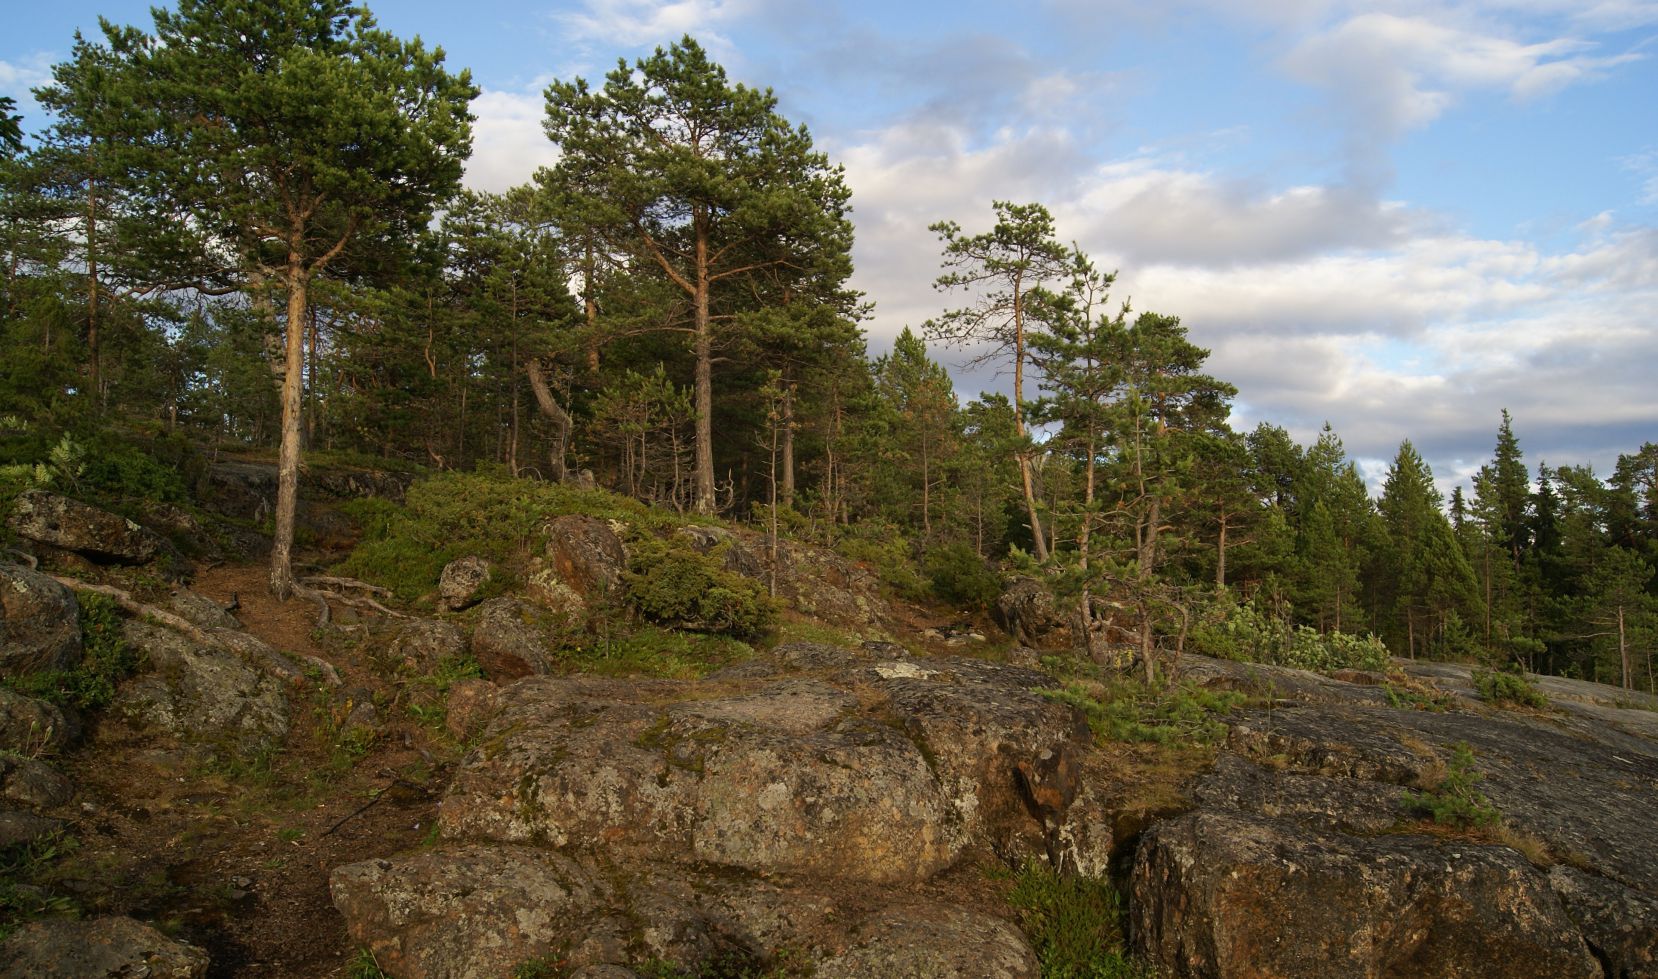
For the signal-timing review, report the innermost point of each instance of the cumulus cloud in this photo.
(508, 144)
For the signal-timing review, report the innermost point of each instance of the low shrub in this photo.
(1074, 924)
(671, 584)
(959, 576)
(1240, 631)
(1508, 687)
(1129, 710)
(105, 661)
(885, 549)
(1456, 801)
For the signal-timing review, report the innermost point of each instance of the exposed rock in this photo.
(1226, 894)
(202, 611)
(461, 581)
(59, 521)
(471, 706)
(419, 645)
(544, 585)
(102, 948)
(200, 694)
(269, 660)
(29, 726)
(1027, 610)
(39, 623)
(813, 580)
(586, 554)
(510, 640)
(356, 484)
(475, 912)
(931, 942)
(32, 782)
(775, 775)
(181, 528)
(1620, 924)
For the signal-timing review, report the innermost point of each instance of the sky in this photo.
(1399, 218)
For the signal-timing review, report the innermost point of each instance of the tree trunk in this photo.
(287, 466)
(1019, 418)
(1623, 652)
(705, 502)
(788, 446)
(1220, 556)
(93, 372)
(549, 406)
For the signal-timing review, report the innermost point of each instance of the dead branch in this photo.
(326, 581)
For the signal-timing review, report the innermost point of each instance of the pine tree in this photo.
(1001, 268)
(291, 131)
(681, 171)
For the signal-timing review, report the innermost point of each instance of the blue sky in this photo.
(1400, 217)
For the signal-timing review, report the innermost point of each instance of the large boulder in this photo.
(1228, 894)
(587, 555)
(927, 941)
(200, 694)
(100, 948)
(33, 783)
(39, 623)
(1028, 611)
(815, 581)
(511, 639)
(1297, 859)
(879, 772)
(58, 521)
(473, 912)
(202, 611)
(420, 645)
(461, 582)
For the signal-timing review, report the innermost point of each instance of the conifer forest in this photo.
(240, 232)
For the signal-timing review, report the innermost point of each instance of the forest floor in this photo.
(234, 856)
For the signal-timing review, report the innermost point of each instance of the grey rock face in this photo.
(419, 645)
(923, 942)
(102, 948)
(59, 521)
(586, 553)
(202, 611)
(39, 623)
(1219, 893)
(33, 783)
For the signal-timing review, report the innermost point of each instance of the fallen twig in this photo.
(327, 580)
(133, 605)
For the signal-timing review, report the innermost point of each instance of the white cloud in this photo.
(508, 144)
(1401, 72)
(638, 23)
(1320, 304)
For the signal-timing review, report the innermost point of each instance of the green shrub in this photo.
(1074, 924)
(886, 550)
(671, 584)
(488, 513)
(959, 576)
(1508, 687)
(1230, 630)
(1456, 801)
(1128, 710)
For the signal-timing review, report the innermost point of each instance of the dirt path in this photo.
(234, 856)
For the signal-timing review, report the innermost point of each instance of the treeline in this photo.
(244, 228)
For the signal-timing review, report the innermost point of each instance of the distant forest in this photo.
(242, 228)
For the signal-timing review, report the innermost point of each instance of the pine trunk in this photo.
(287, 466)
(705, 502)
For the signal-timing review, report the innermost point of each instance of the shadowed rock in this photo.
(39, 623)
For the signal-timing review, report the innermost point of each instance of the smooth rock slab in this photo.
(103, 948)
(510, 640)
(1224, 894)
